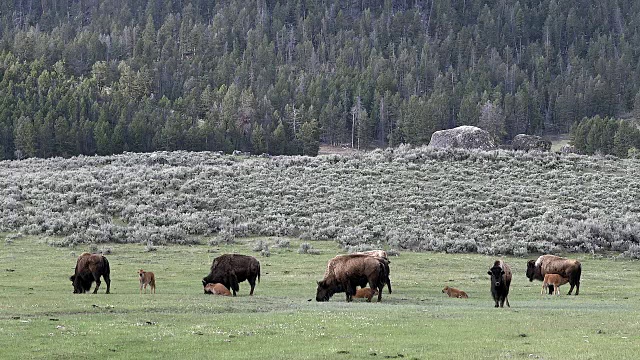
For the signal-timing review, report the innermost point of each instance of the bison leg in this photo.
(252, 282)
(107, 279)
(551, 287)
(96, 277)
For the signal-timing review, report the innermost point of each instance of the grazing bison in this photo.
(232, 269)
(345, 272)
(216, 289)
(367, 293)
(89, 268)
(500, 282)
(551, 264)
(554, 281)
(455, 293)
(374, 253)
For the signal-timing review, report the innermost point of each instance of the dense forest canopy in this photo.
(89, 76)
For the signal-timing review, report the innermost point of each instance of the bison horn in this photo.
(204, 283)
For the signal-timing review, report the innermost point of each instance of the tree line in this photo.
(102, 77)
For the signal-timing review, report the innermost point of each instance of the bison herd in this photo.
(344, 273)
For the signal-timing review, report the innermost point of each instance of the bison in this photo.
(232, 269)
(147, 278)
(365, 293)
(455, 293)
(89, 268)
(551, 264)
(216, 289)
(345, 272)
(377, 253)
(500, 282)
(553, 281)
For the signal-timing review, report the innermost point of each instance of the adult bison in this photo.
(232, 269)
(500, 282)
(551, 264)
(346, 272)
(89, 268)
(381, 255)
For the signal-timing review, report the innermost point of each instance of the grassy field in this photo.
(40, 318)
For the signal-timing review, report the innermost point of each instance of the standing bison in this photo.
(500, 282)
(551, 264)
(89, 268)
(346, 272)
(232, 269)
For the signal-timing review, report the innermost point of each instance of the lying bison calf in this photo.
(553, 281)
(365, 293)
(455, 293)
(89, 268)
(216, 289)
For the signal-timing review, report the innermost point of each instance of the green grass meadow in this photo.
(40, 317)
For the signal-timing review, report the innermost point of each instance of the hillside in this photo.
(497, 202)
(105, 77)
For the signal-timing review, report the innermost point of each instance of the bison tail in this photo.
(107, 270)
(258, 272)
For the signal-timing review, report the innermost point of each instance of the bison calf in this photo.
(216, 289)
(367, 293)
(500, 282)
(554, 281)
(147, 278)
(455, 293)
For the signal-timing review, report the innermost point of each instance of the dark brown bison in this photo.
(89, 268)
(551, 264)
(346, 272)
(232, 269)
(500, 282)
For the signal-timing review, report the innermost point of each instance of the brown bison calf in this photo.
(500, 282)
(89, 268)
(455, 293)
(147, 278)
(367, 293)
(554, 280)
(216, 289)
(551, 264)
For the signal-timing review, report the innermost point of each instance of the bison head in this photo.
(531, 269)
(325, 291)
(445, 289)
(497, 276)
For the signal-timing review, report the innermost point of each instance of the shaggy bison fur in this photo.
(346, 272)
(232, 269)
(89, 268)
(500, 282)
(551, 264)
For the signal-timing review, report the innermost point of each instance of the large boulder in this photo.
(465, 137)
(530, 142)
